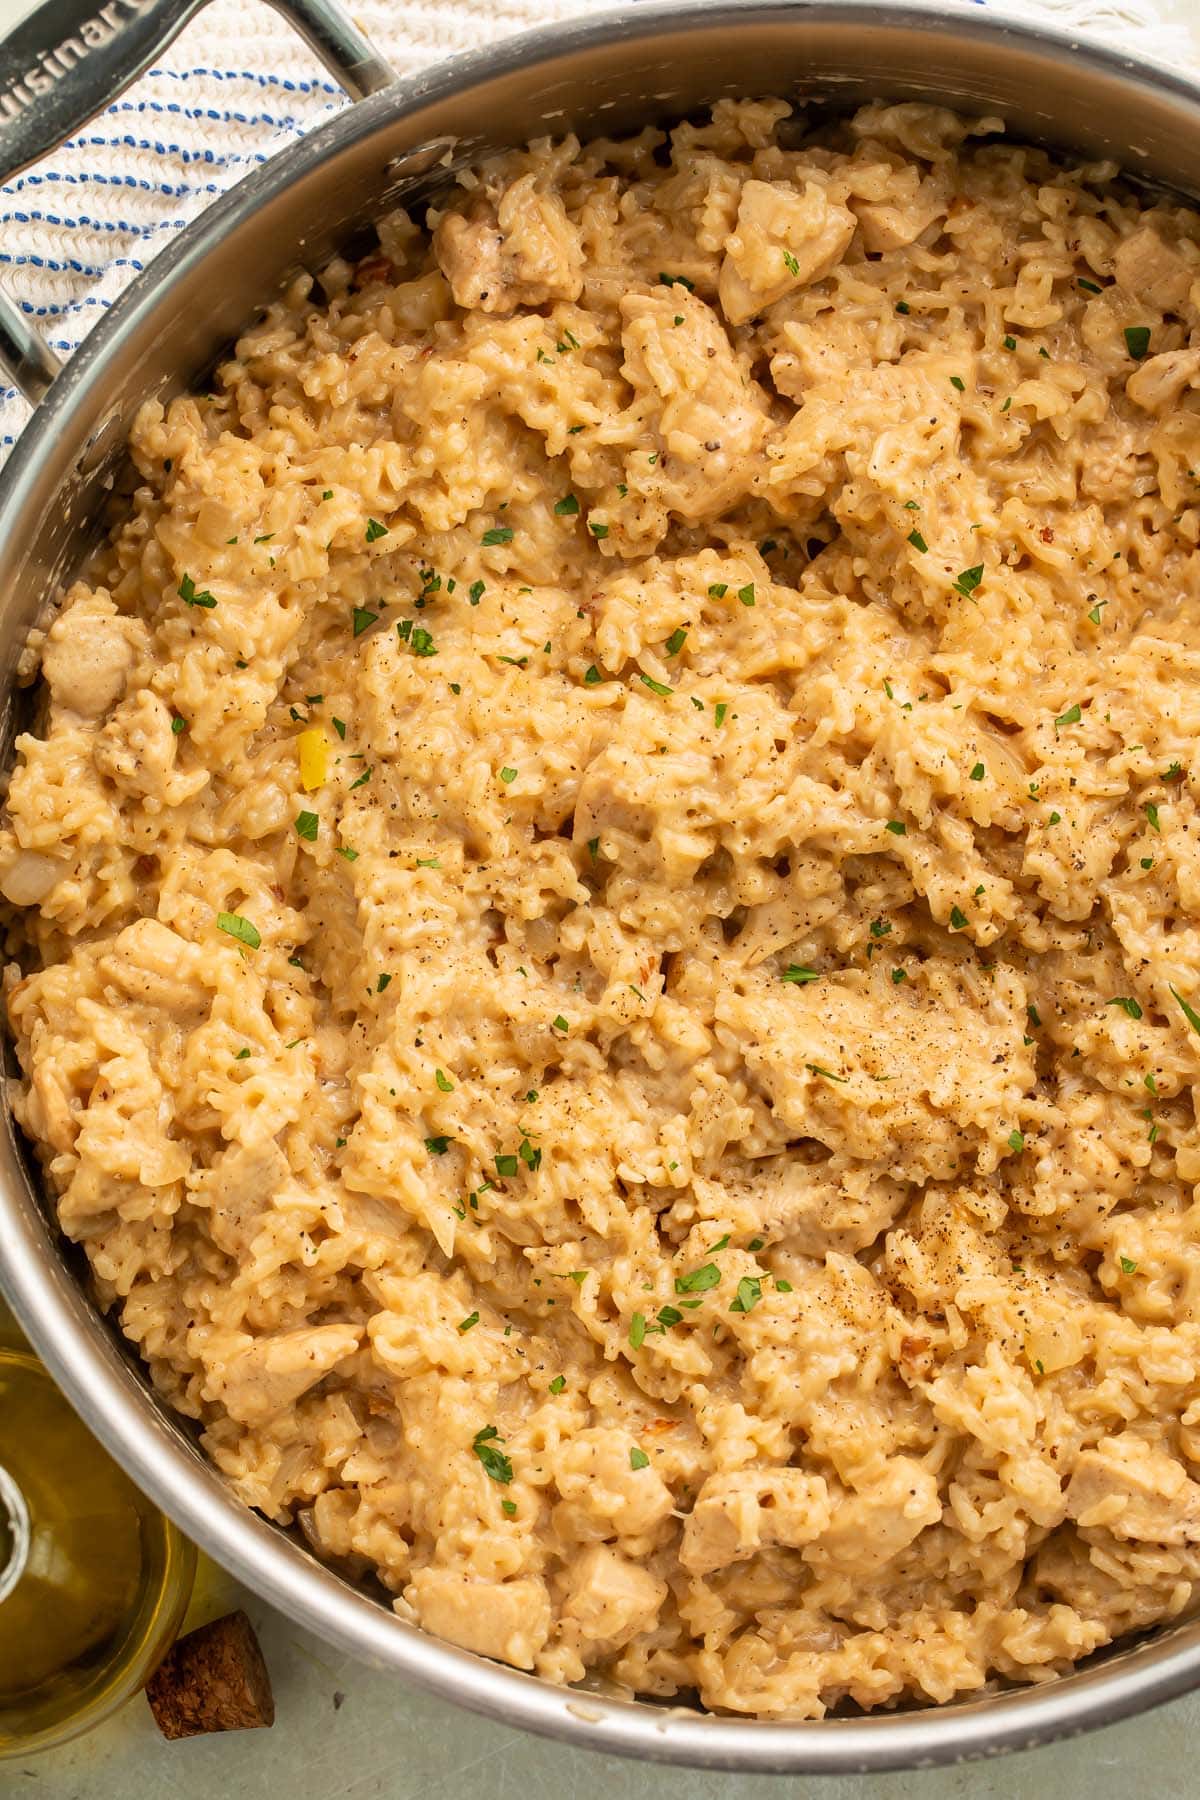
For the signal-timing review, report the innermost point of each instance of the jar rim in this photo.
(14, 1527)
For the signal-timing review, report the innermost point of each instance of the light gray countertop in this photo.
(346, 1733)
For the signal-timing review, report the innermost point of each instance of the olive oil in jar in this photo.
(93, 1580)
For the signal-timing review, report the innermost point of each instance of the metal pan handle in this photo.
(69, 59)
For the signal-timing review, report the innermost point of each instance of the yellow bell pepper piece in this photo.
(314, 759)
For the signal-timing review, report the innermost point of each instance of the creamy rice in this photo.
(605, 911)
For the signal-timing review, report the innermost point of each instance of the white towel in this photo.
(238, 84)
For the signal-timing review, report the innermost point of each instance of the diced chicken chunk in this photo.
(1159, 382)
(610, 1598)
(89, 652)
(737, 1514)
(1133, 1490)
(910, 208)
(137, 750)
(238, 1190)
(875, 1524)
(782, 240)
(690, 385)
(258, 1383)
(507, 1620)
(155, 966)
(525, 253)
(1149, 269)
(595, 1476)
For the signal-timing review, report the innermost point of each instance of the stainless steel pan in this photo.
(614, 70)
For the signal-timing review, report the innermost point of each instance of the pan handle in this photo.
(69, 59)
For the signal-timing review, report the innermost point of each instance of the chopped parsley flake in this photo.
(1127, 1004)
(956, 381)
(437, 1146)
(558, 1384)
(677, 281)
(898, 975)
(816, 1069)
(917, 541)
(1151, 812)
(385, 981)
(421, 643)
(559, 1023)
(897, 827)
(509, 1508)
(495, 1463)
(799, 974)
(239, 928)
(475, 592)
(902, 306)
(346, 851)
(790, 263)
(978, 772)
(1010, 343)
(1128, 1266)
(718, 590)
(1089, 287)
(698, 1281)
(1189, 1013)
(597, 528)
(749, 1293)
(363, 617)
(375, 530)
(339, 725)
(968, 580)
(363, 779)
(1137, 341)
(567, 506)
(470, 1320)
(508, 775)
(193, 596)
(638, 1459)
(719, 711)
(444, 1082)
(746, 594)
(637, 1330)
(677, 640)
(1016, 1142)
(307, 826)
(1072, 715)
(506, 1165)
(958, 918)
(497, 534)
(656, 687)
(178, 725)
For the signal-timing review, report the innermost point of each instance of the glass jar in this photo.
(94, 1581)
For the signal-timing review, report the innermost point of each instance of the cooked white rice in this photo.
(606, 911)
